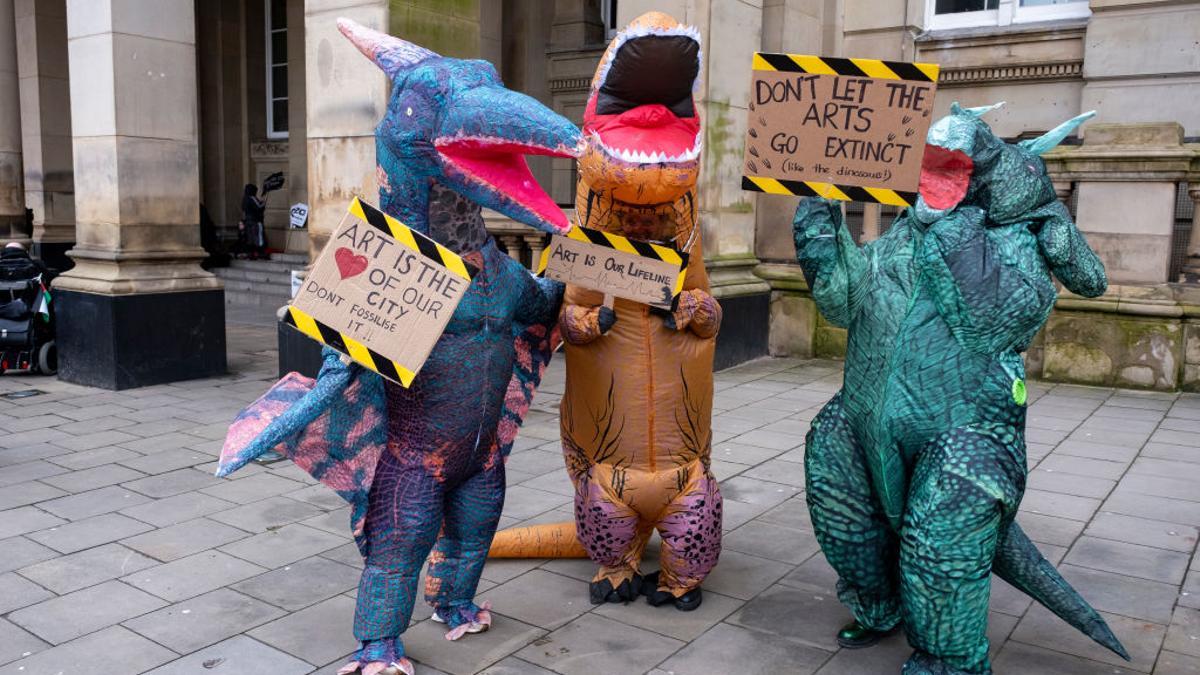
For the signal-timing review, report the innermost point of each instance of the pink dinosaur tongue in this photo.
(945, 175)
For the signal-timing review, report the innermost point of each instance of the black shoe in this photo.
(600, 592)
(857, 636)
(655, 598)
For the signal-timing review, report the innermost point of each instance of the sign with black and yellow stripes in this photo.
(380, 293)
(851, 129)
(616, 266)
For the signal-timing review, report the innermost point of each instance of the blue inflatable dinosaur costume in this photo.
(915, 469)
(423, 468)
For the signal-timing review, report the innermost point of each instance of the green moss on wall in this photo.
(448, 27)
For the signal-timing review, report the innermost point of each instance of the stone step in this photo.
(262, 276)
(253, 299)
(262, 287)
(275, 266)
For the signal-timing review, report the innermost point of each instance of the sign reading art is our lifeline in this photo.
(851, 129)
(615, 266)
(380, 293)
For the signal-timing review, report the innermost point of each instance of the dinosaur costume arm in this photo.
(989, 303)
(1071, 260)
(833, 264)
(580, 324)
(696, 308)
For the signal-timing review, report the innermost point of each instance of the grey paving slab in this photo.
(1170, 451)
(96, 440)
(807, 616)
(27, 471)
(67, 617)
(1017, 657)
(1171, 663)
(514, 666)
(666, 620)
(1070, 484)
(86, 459)
(165, 460)
(193, 575)
(594, 644)
(524, 502)
(301, 584)
(89, 532)
(285, 545)
(1183, 636)
(178, 541)
(1064, 506)
(523, 598)
(17, 591)
(756, 491)
(239, 655)
(31, 492)
(64, 574)
(1156, 533)
(16, 643)
(93, 503)
(744, 576)
(1142, 639)
(273, 512)
(734, 649)
(1132, 560)
(203, 620)
(317, 634)
(427, 643)
(18, 552)
(1084, 466)
(1044, 529)
(1166, 467)
(173, 483)
(177, 509)
(775, 542)
(112, 651)
(1119, 594)
(1153, 507)
(252, 488)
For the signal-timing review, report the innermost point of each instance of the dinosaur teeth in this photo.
(656, 157)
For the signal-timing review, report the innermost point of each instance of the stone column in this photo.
(870, 225)
(46, 126)
(12, 197)
(136, 309)
(1191, 267)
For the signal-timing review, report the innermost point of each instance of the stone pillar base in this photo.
(125, 341)
(297, 352)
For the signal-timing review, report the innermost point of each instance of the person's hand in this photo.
(606, 318)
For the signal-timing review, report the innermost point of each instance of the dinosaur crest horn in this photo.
(978, 111)
(391, 54)
(1049, 140)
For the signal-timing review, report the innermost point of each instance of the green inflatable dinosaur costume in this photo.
(915, 469)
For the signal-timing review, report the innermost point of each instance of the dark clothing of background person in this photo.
(17, 265)
(253, 210)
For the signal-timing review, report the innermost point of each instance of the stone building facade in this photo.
(119, 119)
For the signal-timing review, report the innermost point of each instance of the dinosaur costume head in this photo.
(452, 122)
(965, 163)
(641, 131)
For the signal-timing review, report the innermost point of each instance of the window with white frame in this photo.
(277, 68)
(945, 14)
(608, 14)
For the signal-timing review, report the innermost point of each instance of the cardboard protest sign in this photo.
(851, 129)
(380, 293)
(616, 266)
(298, 217)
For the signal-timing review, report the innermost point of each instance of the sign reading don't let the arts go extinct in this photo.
(851, 129)
(380, 293)
(615, 266)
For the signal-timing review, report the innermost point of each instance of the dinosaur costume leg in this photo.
(403, 517)
(965, 490)
(690, 527)
(471, 512)
(849, 522)
(610, 530)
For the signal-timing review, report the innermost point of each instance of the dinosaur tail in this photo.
(1019, 562)
(552, 540)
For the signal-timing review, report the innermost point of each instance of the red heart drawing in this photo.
(349, 265)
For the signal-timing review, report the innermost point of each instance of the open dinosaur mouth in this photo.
(499, 165)
(642, 112)
(945, 175)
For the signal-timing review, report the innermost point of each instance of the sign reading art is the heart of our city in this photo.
(381, 293)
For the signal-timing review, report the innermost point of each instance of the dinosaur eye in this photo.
(408, 111)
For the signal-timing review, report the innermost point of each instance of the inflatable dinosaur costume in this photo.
(423, 467)
(915, 469)
(638, 401)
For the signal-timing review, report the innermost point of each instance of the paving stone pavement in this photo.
(120, 553)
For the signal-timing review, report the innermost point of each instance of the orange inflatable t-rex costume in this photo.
(638, 401)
